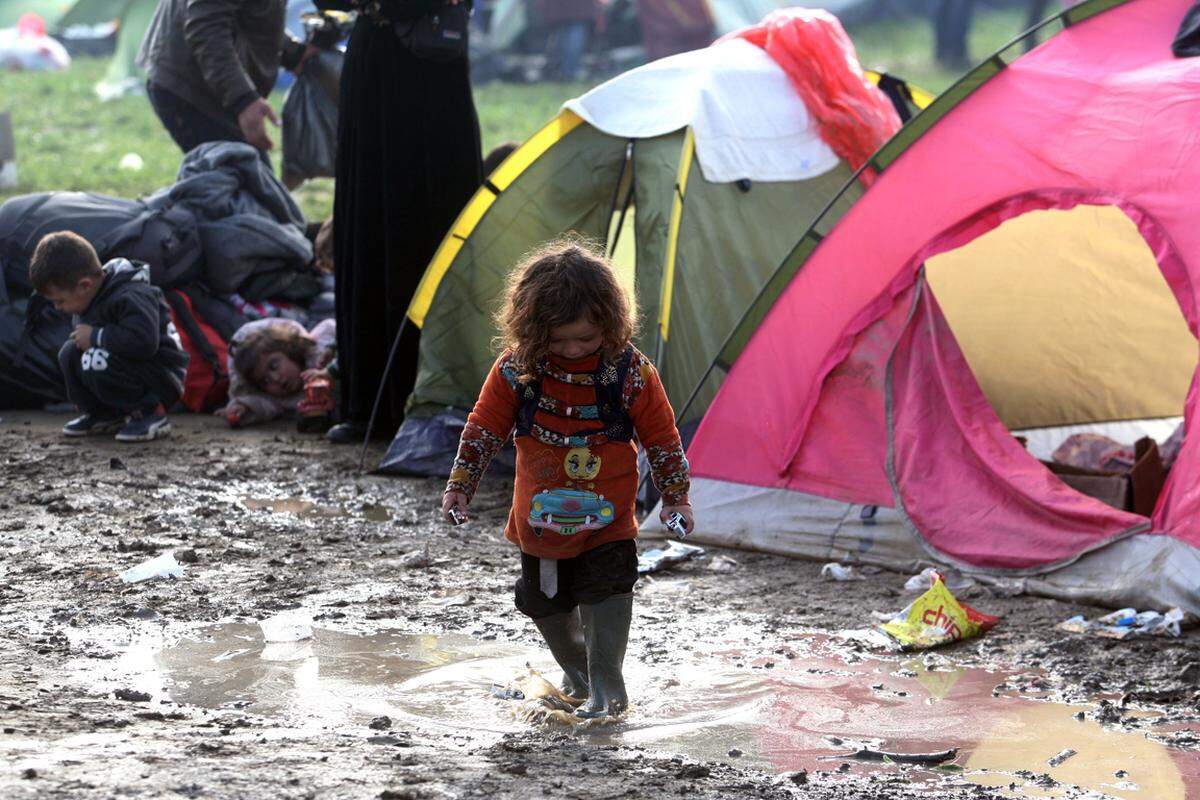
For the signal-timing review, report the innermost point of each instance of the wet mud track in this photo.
(743, 683)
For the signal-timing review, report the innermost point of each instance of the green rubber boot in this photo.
(564, 637)
(606, 632)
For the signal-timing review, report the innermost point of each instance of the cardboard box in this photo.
(1136, 490)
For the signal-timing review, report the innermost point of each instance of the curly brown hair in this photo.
(268, 339)
(558, 284)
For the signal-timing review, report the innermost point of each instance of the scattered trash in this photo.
(1061, 757)
(507, 692)
(132, 162)
(936, 618)
(416, 559)
(539, 700)
(722, 564)
(928, 759)
(1128, 622)
(453, 600)
(131, 696)
(840, 572)
(921, 581)
(660, 559)
(954, 580)
(164, 566)
(651, 586)
(380, 723)
(288, 626)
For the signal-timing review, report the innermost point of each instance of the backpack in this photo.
(206, 384)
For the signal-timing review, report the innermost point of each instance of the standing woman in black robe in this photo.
(408, 160)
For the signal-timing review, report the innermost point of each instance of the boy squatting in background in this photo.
(123, 363)
(577, 392)
(271, 364)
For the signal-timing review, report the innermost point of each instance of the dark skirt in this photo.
(408, 161)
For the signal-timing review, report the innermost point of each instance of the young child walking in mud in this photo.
(576, 393)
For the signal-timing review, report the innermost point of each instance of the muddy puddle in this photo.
(300, 507)
(798, 711)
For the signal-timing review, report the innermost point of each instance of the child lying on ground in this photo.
(270, 363)
(577, 393)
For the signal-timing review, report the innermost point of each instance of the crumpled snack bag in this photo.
(936, 618)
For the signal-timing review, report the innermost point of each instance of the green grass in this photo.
(905, 47)
(67, 139)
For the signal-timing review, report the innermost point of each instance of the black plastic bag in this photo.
(1187, 39)
(310, 119)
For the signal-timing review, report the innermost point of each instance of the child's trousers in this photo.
(109, 386)
(591, 577)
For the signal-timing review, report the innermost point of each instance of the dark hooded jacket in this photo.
(131, 320)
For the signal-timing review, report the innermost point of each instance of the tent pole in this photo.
(387, 369)
(612, 205)
(628, 199)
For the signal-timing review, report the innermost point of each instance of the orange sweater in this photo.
(574, 489)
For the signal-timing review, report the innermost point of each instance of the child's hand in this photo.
(684, 510)
(232, 413)
(312, 374)
(454, 501)
(82, 336)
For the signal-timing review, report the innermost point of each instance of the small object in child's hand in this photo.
(675, 524)
(457, 516)
(316, 408)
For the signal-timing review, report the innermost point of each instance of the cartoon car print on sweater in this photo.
(569, 511)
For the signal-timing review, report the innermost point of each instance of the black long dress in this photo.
(408, 161)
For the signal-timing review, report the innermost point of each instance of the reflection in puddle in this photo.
(307, 508)
(782, 716)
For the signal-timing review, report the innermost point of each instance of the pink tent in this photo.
(853, 391)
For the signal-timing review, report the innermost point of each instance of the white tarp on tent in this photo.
(747, 119)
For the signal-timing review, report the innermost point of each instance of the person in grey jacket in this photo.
(210, 65)
(123, 363)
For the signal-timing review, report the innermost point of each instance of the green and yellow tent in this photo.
(696, 204)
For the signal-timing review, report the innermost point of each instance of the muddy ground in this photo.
(73, 514)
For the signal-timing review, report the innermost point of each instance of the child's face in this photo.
(74, 300)
(278, 375)
(578, 339)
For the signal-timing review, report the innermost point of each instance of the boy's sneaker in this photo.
(92, 424)
(145, 425)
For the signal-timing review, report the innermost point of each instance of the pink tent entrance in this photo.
(1052, 191)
